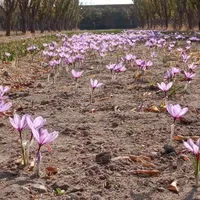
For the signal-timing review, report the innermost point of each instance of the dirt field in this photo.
(96, 149)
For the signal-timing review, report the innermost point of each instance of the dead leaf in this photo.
(134, 158)
(173, 187)
(145, 158)
(184, 157)
(147, 172)
(51, 171)
(152, 109)
(181, 138)
(148, 164)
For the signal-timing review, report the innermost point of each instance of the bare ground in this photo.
(91, 137)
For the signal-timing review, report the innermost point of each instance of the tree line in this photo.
(32, 15)
(107, 17)
(165, 13)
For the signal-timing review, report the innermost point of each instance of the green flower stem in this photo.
(91, 95)
(22, 150)
(172, 134)
(196, 173)
(37, 163)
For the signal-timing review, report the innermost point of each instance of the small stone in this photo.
(103, 158)
(174, 165)
(160, 189)
(154, 154)
(39, 85)
(39, 188)
(2, 124)
(44, 102)
(169, 149)
(114, 125)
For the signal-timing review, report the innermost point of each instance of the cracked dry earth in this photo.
(91, 152)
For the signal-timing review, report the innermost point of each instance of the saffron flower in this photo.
(36, 123)
(42, 137)
(194, 148)
(4, 106)
(7, 54)
(110, 67)
(189, 76)
(94, 84)
(192, 67)
(20, 124)
(165, 87)
(169, 75)
(185, 57)
(76, 74)
(119, 68)
(176, 111)
(3, 91)
(175, 70)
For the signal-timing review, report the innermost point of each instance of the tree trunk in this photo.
(189, 19)
(42, 26)
(48, 25)
(180, 20)
(8, 24)
(199, 19)
(32, 26)
(24, 24)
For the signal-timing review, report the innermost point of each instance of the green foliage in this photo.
(152, 13)
(107, 17)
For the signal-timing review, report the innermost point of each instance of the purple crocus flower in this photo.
(176, 111)
(7, 54)
(3, 91)
(43, 137)
(95, 84)
(192, 147)
(76, 74)
(110, 67)
(36, 123)
(4, 106)
(32, 48)
(185, 57)
(165, 87)
(189, 76)
(18, 123)
(175, 70)
(192, 67)
(119, 68)
(169, 75)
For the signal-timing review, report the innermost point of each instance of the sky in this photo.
(105, 2)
